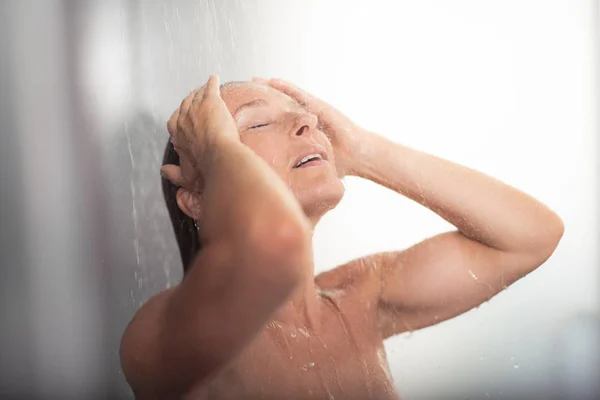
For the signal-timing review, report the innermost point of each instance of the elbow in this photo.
(549, 239)
(559, 229)
(554, 233)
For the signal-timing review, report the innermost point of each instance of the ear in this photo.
(190, 203)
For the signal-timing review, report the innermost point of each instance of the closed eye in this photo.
(258, 126)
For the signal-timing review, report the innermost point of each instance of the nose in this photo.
(305, 124)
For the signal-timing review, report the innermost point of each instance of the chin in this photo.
(319, 199)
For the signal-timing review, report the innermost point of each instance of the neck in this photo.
(314, 215)
(302, 307)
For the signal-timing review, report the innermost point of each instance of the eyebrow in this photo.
(250, 104)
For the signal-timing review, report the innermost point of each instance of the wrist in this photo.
(215, 149)
(369, 149)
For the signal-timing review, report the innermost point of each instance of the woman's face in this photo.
(284, 133)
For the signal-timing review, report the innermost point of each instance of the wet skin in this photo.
(341, 354)
(343, 359)
(324, 338)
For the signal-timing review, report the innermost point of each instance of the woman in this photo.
(249, 171)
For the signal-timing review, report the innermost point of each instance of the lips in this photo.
(314, 154)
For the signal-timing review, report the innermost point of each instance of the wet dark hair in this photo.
(186, 232)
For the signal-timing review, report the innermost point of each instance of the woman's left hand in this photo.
(346, 137)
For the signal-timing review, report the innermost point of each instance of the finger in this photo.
(172, 123)
(212, 87)
(199, 95)
(185, 104)
(294, 92)
(260, 80)
(173, 174)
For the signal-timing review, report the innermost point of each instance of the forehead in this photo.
(238, 94)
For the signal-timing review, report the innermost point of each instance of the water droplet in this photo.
(293, 334)
(311, 364)
(304, 332)
(516, 366)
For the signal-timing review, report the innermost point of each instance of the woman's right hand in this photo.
(196, 128)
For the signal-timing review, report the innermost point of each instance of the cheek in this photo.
(270, 148)
(324, 139)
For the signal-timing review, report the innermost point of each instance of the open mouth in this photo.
(310, 160)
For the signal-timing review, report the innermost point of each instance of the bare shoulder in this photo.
(359, 278)
(140, 345)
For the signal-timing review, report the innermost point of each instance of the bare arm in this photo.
(502, 234)
(256, 244)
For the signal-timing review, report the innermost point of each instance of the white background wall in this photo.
(506, 87)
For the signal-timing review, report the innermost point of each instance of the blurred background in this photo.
(507, 87)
